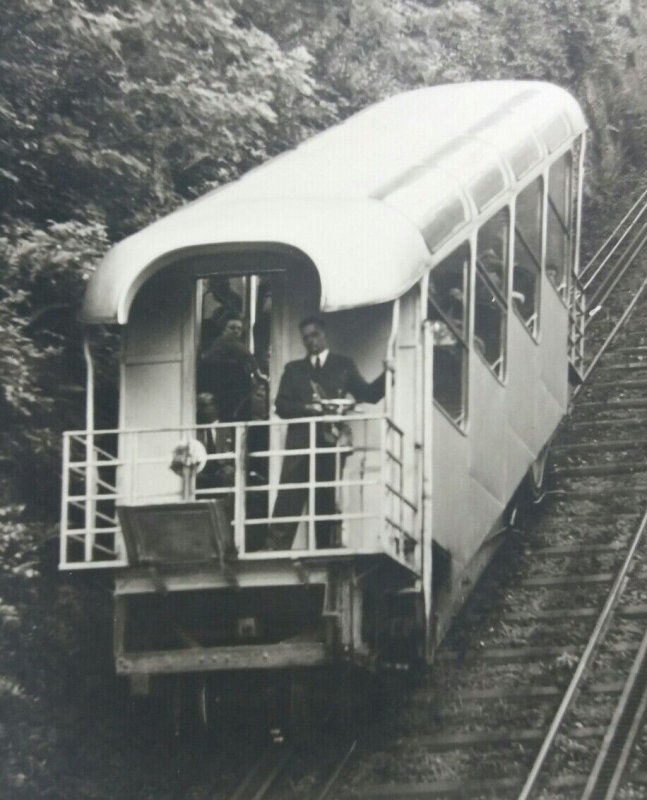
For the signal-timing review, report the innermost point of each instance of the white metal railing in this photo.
(614, 242)
(350, 493)
(602, 272)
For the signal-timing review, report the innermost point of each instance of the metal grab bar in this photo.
(641, 201)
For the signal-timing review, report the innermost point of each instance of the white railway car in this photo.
(435, 233)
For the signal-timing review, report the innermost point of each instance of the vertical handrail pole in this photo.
(134, 454)
(383, 483)
(312, 464)
(424, 405)
(343, 502)
(389, 398)
(188, 471)
(426, 542)
(64, 500)
(253, 292)
(578, 296)
(239, 487)
(578, 210)
(89, 385)
(91, 486)
(403, 506)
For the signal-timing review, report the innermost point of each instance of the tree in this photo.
(113, 112)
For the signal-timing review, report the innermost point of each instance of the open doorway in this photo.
(234, 353)
(236, 316)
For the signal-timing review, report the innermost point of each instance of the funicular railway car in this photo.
(432, 240)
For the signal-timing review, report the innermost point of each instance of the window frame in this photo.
(501, 295)
(533, 325)
(463, 338)
(566, 226)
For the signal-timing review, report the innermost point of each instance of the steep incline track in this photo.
(476, 725)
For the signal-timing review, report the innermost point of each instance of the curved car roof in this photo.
(370, 200)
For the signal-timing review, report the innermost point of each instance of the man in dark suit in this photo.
(305, 387)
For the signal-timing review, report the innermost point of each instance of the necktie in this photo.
(317, 365)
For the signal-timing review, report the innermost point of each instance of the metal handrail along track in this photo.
(613, 242)
(584, 662)
(611, 763)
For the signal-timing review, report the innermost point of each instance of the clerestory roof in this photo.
(368, 201)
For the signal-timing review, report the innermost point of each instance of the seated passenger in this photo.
(523, 291)
(305, 386)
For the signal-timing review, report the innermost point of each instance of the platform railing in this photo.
(352, 491)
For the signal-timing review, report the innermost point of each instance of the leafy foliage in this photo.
(115, 111)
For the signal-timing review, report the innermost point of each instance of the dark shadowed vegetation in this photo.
(113, 112)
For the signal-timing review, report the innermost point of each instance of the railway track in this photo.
(265, 773)
(280, 771)
(535, 691)
(528, 696)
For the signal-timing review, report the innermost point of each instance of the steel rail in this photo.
(617, 745)
(585, 660)
(260, 779)
(336, 773)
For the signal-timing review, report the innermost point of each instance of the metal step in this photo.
(447, 741)
(606, 405)
(541, 581)
(632, 366)
(605, 446)
(600, 470)
(636, 611)
(493, 787)
(628, 383)
(592, 494)
(578, 549)
(503, 693)
(512, 655)
(640, 349)
(448, 788)
(630, 422)
(508, 655)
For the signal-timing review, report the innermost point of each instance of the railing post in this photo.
(425, 509)
(401, 504)
(133, 452)
(312, 477)
(91, 488)
(240, 448)
(382, 539)
(64, 500)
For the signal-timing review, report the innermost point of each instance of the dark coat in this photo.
(228, 370)
(337, 378)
